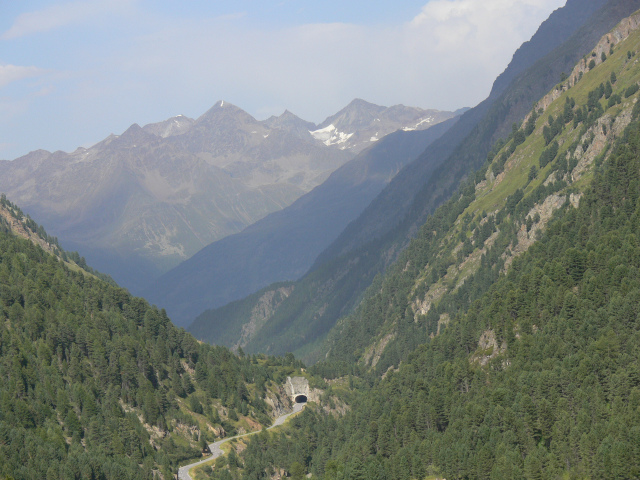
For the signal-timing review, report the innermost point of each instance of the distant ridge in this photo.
(283, 245)
(138, 203)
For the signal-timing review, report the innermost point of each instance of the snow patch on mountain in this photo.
(330, 135)
(422, 122)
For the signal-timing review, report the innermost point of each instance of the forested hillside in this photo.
(337, 282)
(545, 165)
(95, 383)
(528, 326)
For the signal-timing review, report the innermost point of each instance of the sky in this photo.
(73, 72)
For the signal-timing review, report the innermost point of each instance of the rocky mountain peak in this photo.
(358, 114)
(133, 136)
(360, 123)
(132, 130)
(223, 109)
(222, 118)
(291, 123)
(173, 126)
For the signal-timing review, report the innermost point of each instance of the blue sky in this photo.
(72, 72)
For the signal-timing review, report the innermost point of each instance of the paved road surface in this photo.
(216, 451)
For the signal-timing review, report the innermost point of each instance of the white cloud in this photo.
(61, 15)
(487, 30)
(442, 11)
(446, 57)
(12, 73)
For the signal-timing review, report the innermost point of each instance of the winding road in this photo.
(216, 451)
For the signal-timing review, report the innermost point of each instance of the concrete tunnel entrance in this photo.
(297, 389)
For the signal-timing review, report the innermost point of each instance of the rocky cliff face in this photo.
(261, 313)
(13, 220)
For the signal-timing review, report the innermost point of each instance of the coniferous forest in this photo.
(98, 384)
(558, 393)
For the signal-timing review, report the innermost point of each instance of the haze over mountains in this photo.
(283, 245)
(137, 204)
(367, 246)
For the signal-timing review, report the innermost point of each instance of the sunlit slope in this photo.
(507, 338)
(546, 165)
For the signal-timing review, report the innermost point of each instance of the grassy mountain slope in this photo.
(469, 241)
(337, 282)
(532, 368)
(95, 383)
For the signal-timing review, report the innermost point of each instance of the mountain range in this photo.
(138, 203)
(283, 245)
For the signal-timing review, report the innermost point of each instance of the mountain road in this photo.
(216, 451)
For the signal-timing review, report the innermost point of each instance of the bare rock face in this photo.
(488, 349)
(262, 312)
(374, 352)
(19, 227)
(280, 403)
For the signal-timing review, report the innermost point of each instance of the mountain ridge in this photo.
(520, 188)
(98, 384)
(503, 343)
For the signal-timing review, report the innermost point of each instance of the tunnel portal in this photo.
(298, 389)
